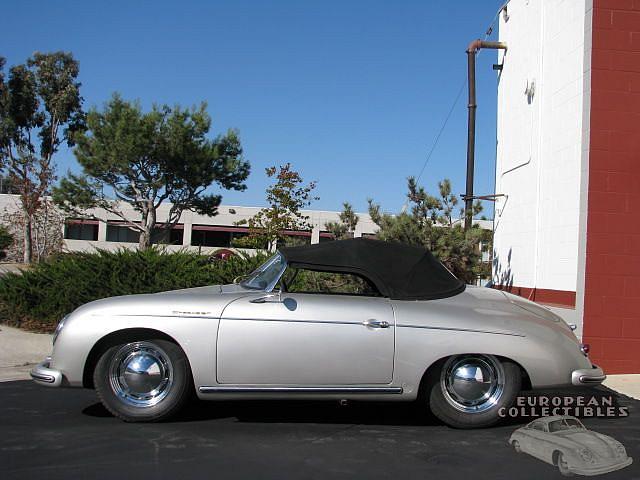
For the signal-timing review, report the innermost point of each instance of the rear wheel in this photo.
(472, 389)
(143, 381)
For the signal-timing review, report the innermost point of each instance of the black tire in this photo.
(445, 409)
(562, 466)
(176, 389)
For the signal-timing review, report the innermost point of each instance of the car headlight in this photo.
(586, 455)
(620, 450)
(59, 328)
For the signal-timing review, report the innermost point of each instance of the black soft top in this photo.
(400, 272)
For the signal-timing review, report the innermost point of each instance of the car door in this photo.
(303, 339)
(538, 443)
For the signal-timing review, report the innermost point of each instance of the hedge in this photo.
(38, 298)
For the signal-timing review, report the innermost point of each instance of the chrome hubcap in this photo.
(472, 383)
(141, 374)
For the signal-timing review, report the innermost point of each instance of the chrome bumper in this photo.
(600, 469)
(588, 376)
(44, 375)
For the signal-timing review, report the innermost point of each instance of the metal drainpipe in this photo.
(472, 50)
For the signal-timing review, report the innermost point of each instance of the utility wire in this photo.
(488, 32)
(444, 125)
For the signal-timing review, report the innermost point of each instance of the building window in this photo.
(216, 235)
(173, 236)
(122, 233)
(81, 230)
(326, 237)
(210, 238)
(294, 239)
(236, 235)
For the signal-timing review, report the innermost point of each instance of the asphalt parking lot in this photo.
(64, 433)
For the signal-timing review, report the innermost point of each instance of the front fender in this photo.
(190, 319)
(196, 337)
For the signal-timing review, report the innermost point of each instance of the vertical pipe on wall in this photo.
(471, 137)
(472, 50)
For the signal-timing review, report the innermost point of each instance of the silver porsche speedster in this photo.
(563, 441)
(356, 319)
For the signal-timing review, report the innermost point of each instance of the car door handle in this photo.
(269, 298)
(371, 323)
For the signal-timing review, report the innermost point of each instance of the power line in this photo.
(444, 125)
(488, 32)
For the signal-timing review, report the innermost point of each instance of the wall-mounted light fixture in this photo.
(530, 90)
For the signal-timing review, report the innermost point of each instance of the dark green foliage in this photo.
(344, 228)
(38, 298)
(6, 239)
(309, 281)
(430, 223)
(286, 199)
(147, 158)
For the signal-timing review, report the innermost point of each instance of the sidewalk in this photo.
(20, 351)
(628, 385)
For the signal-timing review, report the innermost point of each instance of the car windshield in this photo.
(565, 424)
(266, 275)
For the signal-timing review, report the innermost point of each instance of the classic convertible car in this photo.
(564, 441)
(356, 319)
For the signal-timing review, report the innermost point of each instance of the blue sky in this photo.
(352, 93)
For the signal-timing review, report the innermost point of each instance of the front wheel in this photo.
(473, 388)
(563, 466)
(143, 381)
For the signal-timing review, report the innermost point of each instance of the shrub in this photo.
(6, 239)
(38, 298)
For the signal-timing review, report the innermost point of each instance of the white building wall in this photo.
(539, 144)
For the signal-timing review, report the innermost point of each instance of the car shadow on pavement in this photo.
(291, 411)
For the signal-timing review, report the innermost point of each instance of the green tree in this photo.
(40, 110)
(346, 224)
(286, 198)
(430, 223)
(145, 159)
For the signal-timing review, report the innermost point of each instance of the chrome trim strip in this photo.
(323, 390)
(291, 320)
(493, 332)
(164, 316)
(391, 325)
